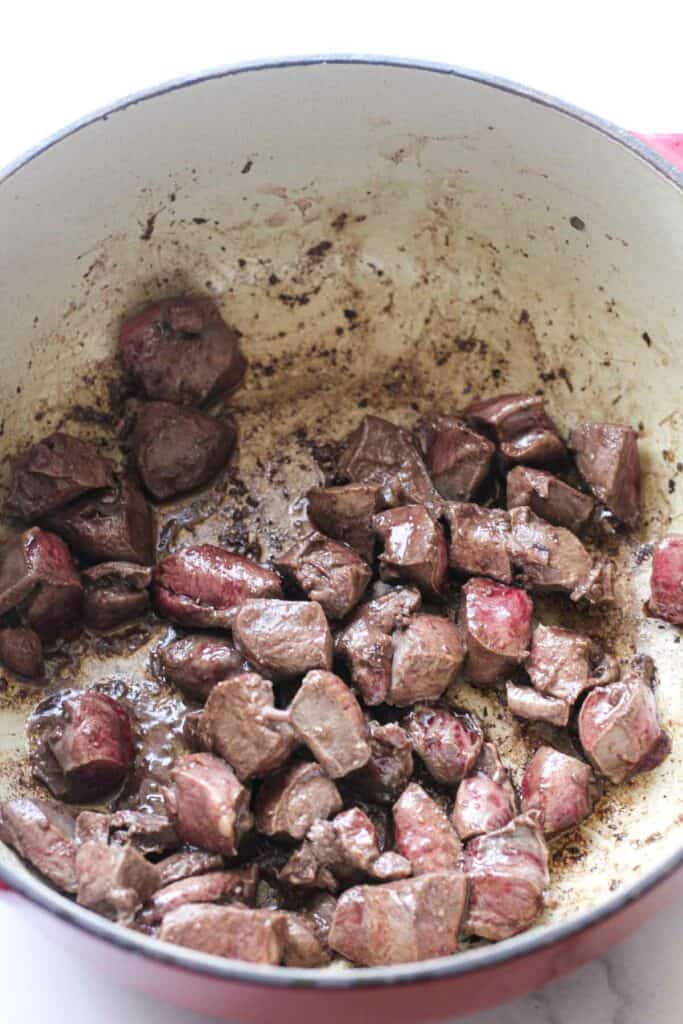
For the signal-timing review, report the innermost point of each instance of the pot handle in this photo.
(668, 146)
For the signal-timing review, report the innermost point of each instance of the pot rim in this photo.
(471, 961)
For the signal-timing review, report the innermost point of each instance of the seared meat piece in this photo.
(341, 850)
(424, 835)
(332, 574)
(181, 350)
(562, 789)
(366, 642)
(619, 727)
(607, 459)
(549, 497)
(479, 541)
(485, 800)
(236, 725)
(525, 702)
(386, 774)
(194, 733)
(115, 525)
(205, 586)
(550, 558)
(289, 802)
(208, 804)
(90, 749)
(38, 578)
(382, 454)
(115, 592)
(187, 864)
(257, 936)
(521, 426)
(22, 652)
(496, 621)
(178, 449)
(507, 871)
(458, 459)
(345, 513)
(303, 945)
(238, 886)
(54, 472)
(402, 921)
(284, 639)
(196, 663)
(563, 664)
(114, 880)
(43, 835)
(666, 583)
(147, 832)
(448, 743)
(414, 549)
(427, 656)
(326, 717)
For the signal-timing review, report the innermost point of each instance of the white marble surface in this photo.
(638, 982)
(62, 61)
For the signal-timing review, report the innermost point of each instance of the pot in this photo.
(390, 236)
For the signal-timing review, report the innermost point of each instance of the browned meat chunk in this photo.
(235, 723)
(366, 642)
(196, 663)
(424, 835)
(257, 936)
(382, 454)
(147, 832)
(178, 449)
(284, 639)
(563, 664)
(525, 702)
(327, 717)
(607, 458)
(508, 872)
(427, 656)
(289, 802)
(332, 574)
(181, 350)
(666, 584)
(38, 578)
(402, 921)
(54, 472)
(549, 497)
(496, 620)
(448, 743)
(303, 945)
(458, 459)
(43, 835)
(238, 886)
(187, 864)
(114, 880)
(345, 513)
(115, 525)
(549, 558)
(208, 804)
(89, 749)
(22, 652)
(619, 727)
(206, 585)
(485, 800)
(388, 771)
(115, 592)
(414, 549)
(521, 426)
(561, 789)
(479, 541)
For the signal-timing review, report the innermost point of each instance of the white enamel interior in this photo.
(458, 199)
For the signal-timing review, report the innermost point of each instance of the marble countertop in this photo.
(70, 66)
(637, 982)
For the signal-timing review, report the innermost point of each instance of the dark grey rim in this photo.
(450, 967)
